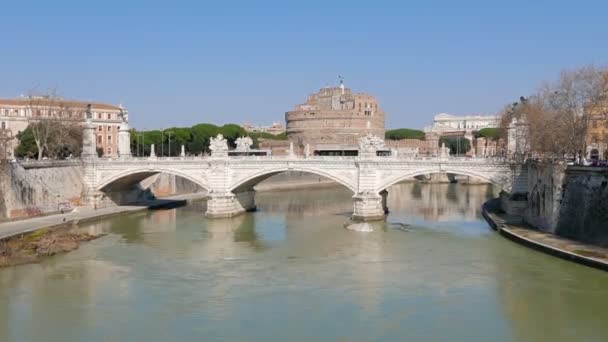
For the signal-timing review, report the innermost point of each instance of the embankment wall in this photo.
(38, 191)
(569, 201)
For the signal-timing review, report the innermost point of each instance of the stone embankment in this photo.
(562, 211)
(27, 191)
(512, 228)
(567, 201)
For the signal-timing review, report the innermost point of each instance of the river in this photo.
(434, 271)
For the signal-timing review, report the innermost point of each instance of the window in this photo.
(3, 125)
(109, 150)
(109, 116)
(99, 139)
(368, 113)
(109, 139)
(99, 128)
(6, 112)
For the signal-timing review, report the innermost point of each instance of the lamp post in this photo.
(169, 134)
(162, 142)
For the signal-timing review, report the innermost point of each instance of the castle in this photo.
(331, 122)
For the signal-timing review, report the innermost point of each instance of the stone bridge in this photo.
(230, 180)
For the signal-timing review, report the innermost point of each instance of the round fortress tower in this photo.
(334, 119)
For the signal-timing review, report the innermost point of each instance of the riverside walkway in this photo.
(82, 214)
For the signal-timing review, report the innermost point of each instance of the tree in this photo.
(457, 145)
(50, 115)
(66, 140)
(232, 132)
(490, 133)
(179, 137)
(404, 133)
(27, 145)
(558, 114)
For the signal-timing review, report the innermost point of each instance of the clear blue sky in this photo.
(178, 63)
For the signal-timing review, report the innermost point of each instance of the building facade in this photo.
(334, 119)
(16, 114)
(597, 133)
(446, 123)
(275, 129)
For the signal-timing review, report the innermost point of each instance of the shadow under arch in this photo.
(134, 176)
(394, 180)
(248, 183)
(126, 187)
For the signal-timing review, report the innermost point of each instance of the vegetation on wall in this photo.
(404, 133)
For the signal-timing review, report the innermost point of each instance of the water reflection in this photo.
(440, 202)
(292, 272)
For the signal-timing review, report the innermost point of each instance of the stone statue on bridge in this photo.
(371, 143)
(444, 152)
(243, 144)
(218, 145)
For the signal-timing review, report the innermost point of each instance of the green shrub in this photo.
(489, 133)
(404, 133)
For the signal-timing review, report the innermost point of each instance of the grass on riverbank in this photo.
(32, 247)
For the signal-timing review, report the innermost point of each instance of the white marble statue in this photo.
(243, 144)
(218, 144)
(444, 151)
(370, 143)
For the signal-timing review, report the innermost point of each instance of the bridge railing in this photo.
(492, 160)
(39, 164)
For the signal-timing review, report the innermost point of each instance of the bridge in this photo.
(230, 180)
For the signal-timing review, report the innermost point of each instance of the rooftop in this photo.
(42, 101)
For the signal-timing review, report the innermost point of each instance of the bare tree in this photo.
(571, 99)
(558, 115)
(53, 123)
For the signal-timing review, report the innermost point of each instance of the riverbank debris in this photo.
(32, 247)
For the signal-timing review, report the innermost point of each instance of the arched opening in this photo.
(447, 176)
(144, 187)
(438, 198)
(594, 154)
(257, 187)
(288, 179)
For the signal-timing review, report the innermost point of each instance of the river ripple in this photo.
(434, 271)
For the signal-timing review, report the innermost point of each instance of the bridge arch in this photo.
(492, 178)
(135, 175)
(250, 181)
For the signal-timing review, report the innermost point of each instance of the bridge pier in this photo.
(221, 205)
(370, 206)
(95, 199)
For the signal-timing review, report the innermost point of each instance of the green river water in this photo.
(434, 271)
